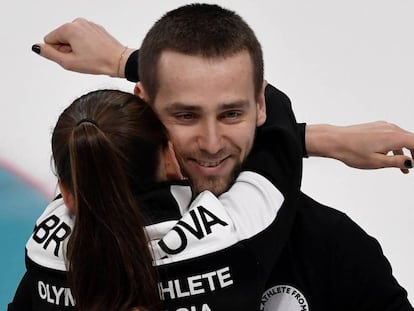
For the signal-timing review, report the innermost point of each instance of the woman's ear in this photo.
(172, 168)
(67, 197)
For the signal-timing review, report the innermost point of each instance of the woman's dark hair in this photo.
(106, 147)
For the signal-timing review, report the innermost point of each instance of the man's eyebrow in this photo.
(177, 106)
(236, 104)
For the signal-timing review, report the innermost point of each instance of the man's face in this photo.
(211, 112)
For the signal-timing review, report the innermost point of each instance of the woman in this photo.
(113, 160)
(107, 147)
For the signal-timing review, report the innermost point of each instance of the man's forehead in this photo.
(193, 82)
(172, 59)
(181, 72)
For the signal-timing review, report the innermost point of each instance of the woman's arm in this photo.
(86, 47)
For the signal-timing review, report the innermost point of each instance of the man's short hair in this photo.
(204, 30)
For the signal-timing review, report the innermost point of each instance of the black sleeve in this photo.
(131, 67)
(277, 156)
(279, 112)
(277, 150)
(278, 105)
(302, 137)
(362, 274)
(42, 289)
(22, 297)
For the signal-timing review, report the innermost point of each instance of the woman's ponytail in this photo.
(109, 261)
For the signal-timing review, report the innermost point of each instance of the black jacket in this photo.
(311, 257)
(208, 253)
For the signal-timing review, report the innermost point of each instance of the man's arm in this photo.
(86, 47)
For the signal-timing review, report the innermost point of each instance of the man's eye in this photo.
(231, 115)
(185, 116)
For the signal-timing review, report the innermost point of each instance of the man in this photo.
(206, 84)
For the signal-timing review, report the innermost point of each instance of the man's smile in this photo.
(209, 167)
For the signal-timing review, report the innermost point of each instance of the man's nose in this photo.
(210, 137)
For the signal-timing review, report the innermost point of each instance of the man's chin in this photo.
(215, 185)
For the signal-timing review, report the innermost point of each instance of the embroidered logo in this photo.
(283, 298)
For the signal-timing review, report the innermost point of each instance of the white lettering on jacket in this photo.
(47, 245)
(199, 226)
(195, 284)
(214, 223)
(61, 296)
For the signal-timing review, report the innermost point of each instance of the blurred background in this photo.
(340, 62)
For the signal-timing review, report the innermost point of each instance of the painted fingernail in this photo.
(408, 164)
(36, 48)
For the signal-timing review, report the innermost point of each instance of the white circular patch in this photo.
(283, 298)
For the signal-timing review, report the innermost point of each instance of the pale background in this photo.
(340, 62)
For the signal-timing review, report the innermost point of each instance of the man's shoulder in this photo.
(333, 264)
(272, 92)
(314, 215)
(322, 212)
(330, 229)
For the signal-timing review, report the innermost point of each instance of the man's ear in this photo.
(140, 91)
(172, 168)
(67, 197)
(261, 106)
